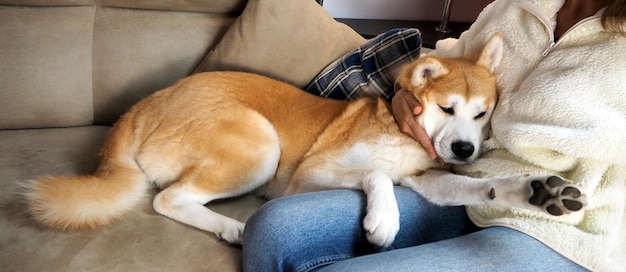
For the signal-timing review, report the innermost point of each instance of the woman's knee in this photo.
(282, 234)
(275, 221)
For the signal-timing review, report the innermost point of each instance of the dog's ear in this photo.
(427, 67)
(491, 54)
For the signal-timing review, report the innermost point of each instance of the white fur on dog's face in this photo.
(458, 127)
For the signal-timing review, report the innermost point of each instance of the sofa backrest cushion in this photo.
(45, 72)
(208, 6)
(288, 40)
(139, 52)
(79, 65)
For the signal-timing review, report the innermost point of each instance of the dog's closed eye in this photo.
(447, 110)
(480, 115)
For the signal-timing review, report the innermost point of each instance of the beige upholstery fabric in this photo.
(141, 240)
(288, 40)
(209, 6)
(73, 66)
(138, 52)
(45, 73)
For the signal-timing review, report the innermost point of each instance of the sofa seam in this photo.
(93, 59)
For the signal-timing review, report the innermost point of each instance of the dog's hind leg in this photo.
(185, 203)
(238, 160)
(184, 200)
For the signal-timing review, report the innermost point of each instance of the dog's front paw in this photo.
(556, 196)
(382, 224)
(231, 233)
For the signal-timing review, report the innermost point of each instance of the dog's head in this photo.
(458, 96)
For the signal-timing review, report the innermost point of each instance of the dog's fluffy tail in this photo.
(74, 203)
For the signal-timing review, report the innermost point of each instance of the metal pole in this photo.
(445, 18)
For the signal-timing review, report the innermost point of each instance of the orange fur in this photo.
(463, 79)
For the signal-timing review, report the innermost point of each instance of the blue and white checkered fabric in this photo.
(370, 69)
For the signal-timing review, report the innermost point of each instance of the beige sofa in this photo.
(70, 68)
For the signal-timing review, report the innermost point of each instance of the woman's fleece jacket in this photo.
(561, 110)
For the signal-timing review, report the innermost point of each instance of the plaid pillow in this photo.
(370, 69)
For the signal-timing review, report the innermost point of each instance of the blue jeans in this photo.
(323, 231)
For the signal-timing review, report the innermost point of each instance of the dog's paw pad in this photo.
(556, 196)
(554, 210)
(573, 205)
(492, 194)
(554, 182)
(571, 192)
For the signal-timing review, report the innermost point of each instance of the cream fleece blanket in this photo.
(562, 110)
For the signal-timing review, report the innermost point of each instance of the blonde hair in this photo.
(614, 16)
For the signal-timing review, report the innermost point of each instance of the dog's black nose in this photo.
(462, 149)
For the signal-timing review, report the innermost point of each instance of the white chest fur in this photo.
(395, 156)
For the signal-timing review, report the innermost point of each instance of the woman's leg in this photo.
(307, 231)
(491, 249)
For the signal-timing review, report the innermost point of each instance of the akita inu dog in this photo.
(221, 134)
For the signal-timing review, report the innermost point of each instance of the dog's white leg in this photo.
(447, 189)
(186, 205)
(547, 194)
(382, 220)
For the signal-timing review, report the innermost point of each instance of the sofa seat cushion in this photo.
(142, 240)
